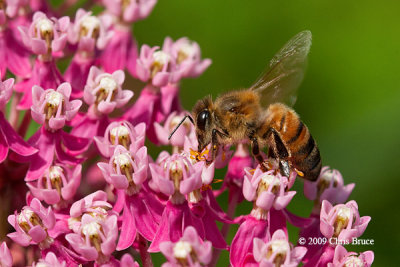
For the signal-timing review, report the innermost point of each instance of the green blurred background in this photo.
(349, 99)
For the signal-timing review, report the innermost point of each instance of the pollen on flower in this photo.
(182, 250)
(198, 156)
(353, 261)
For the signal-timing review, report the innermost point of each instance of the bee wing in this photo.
(285, 72)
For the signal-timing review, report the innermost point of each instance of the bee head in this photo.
(202, 113)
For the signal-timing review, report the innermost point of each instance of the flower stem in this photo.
(23, 127)
(144, 254)
(14, 113)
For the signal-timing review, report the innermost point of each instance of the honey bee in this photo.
(259, 116)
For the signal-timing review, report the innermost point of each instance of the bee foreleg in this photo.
(215, 143)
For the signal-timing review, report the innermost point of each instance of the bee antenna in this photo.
(180, 123)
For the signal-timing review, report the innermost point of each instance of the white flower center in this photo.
(90, 22)
(120, 131)
(187, 49)
(123, 160)
(353, 261)
(270, 179)
(91, 229)
(182, 250)
(25, 216)
(108, 84)
(161, 57)
(54, 98)
(55, 172)
(45, 25)
(343, 214)
(280, 247)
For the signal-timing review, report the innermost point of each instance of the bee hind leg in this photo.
(255, 149)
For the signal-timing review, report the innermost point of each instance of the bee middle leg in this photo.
(279, 152)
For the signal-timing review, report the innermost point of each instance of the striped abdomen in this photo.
(291, 140)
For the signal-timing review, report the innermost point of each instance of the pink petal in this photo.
(161, 79)
(59, 43)
(3, 147)
(37, 233)
(128, 230)
(38, 46)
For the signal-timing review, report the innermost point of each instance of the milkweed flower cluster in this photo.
(85, 190)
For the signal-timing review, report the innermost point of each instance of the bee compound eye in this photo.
(202, 119)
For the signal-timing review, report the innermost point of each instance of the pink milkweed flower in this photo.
(89, 31)
(190, 250)
(187, 56)
(329, 186)
(53, 108)
(9, 139)
(121, 133)
(130, 11)
(342, 221)
(125, 170)
(91, 35)
(277, 252)
(45, 36)
(6, 259)
(104, 90)
(50, 260)
(177, 140)
(58, 185)
(96, 238)
(344, 258)
(266, 190)
(176, 177)
(155, 66)
(32, 224)
(94, 203)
